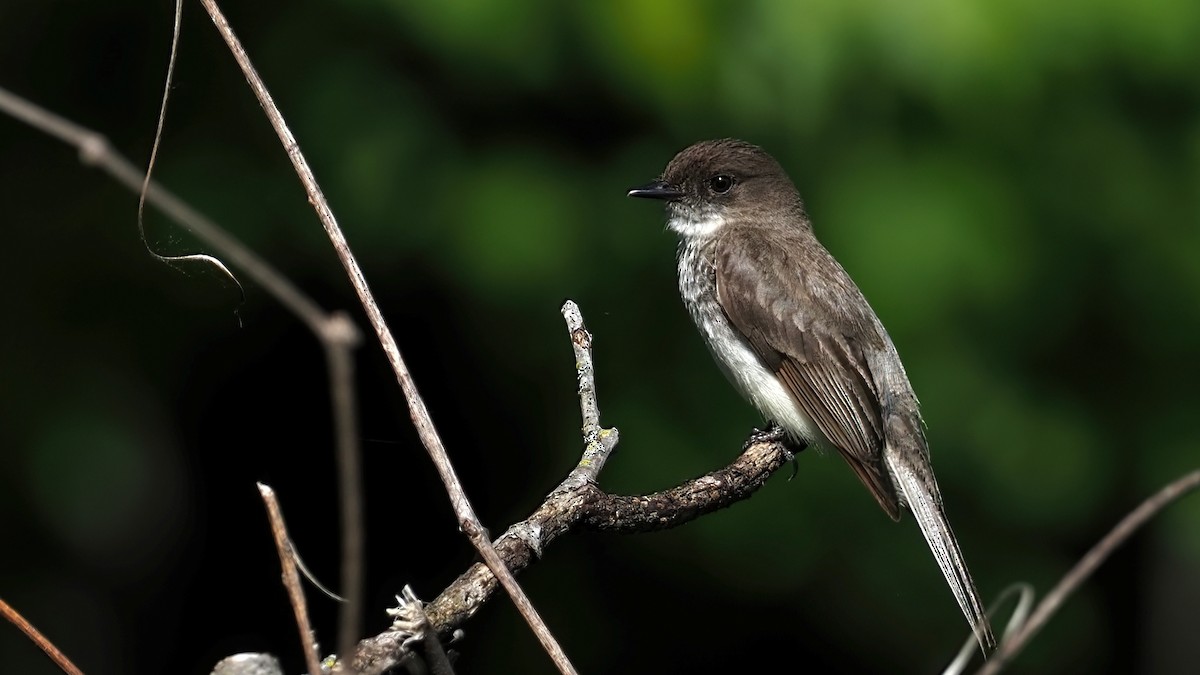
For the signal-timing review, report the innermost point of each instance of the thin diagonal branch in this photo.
(38, 639)
(291, 577)
(95, 150)
(468, 521)
(1083, 569)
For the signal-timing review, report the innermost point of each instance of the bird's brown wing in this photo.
(788, 315)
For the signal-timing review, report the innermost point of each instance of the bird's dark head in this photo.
(712, 183)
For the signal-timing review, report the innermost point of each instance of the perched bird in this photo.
(796, 337)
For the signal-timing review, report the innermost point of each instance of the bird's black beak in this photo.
(657, 190)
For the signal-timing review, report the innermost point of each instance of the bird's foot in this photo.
(775, 434)
(772, 434)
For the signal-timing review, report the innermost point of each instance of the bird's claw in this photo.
(776, 434)
(772, 434)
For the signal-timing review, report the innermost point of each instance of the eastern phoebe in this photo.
(797, 338)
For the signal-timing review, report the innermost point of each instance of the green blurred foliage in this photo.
(1014, 185)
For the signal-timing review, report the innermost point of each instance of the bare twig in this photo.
(655, 510)
(291, 578)
(578, 503)
(335, 332)
(343, 338)
(94, 150)
(598, 442)
(467, 520)
(588, 506)
(339, 337)
(38, 639)
(1025, 596)
(1012, 646)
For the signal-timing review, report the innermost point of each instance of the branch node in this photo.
(339, 329)
(92, 149)
(473, 529)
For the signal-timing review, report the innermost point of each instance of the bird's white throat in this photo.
(691, 223)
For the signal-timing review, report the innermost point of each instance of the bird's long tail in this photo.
(920, 492)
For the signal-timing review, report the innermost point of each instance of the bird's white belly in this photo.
(756, 382)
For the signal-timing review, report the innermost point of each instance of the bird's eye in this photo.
(720, 184)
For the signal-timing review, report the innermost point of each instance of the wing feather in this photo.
(800, 328)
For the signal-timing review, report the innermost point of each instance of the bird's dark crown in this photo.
(730, 172)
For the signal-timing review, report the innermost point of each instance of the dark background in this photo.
(1014, 187)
